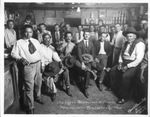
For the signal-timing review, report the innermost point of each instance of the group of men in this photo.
(52, 57)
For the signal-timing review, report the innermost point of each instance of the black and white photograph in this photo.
(74, 58)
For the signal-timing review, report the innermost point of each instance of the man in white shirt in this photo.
(10, 34)
(50, 55)
(28, 52)
(131, 56)
(117, 41)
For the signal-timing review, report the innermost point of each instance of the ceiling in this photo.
(43, 5)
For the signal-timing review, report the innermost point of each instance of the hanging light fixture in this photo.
(78, 9)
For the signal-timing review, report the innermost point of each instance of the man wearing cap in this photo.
(27, 51)
(102, 50)
(85, 47)
(117, 41)
(129, 60)
(50, 55)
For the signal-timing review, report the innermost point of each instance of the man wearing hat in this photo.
(50, 55)
(85, 47)
(131, 56)
(103, 50)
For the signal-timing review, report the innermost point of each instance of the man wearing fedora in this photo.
(85, 47)
(50, 55)
(102, 51)
(130, 58)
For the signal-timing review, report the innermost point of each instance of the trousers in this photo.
(116, 53)
(121, 82)
(103, 59)
(64, 78)
(32, 83)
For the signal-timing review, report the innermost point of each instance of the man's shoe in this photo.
(31, 111)
(100, 87)
(53, 97)
(86, 93)
(68, 92)
(39, 101)
(121, 101)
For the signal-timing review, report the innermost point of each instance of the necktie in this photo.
(86, 43)
(31, 47)
(57, 36)
(79, 35)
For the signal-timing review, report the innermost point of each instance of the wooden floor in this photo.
(97, 103)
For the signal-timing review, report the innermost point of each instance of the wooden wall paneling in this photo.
(39, 16)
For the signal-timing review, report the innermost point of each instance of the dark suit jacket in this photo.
(107, 48)
(54, 38)
(81, 49)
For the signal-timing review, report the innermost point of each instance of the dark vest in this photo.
(136, 41)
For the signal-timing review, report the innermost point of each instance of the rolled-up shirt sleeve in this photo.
(41, 54)
(139, 51)
(56, 56)
(120, 59)
(15, 51)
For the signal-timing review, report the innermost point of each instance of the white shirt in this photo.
(137, 55)
(102, 51)
(49, 54)
(10, 37)
(118, 39)
(21, 49)
(86, 43)
(79, 38)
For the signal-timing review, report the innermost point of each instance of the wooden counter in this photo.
(11, 95)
